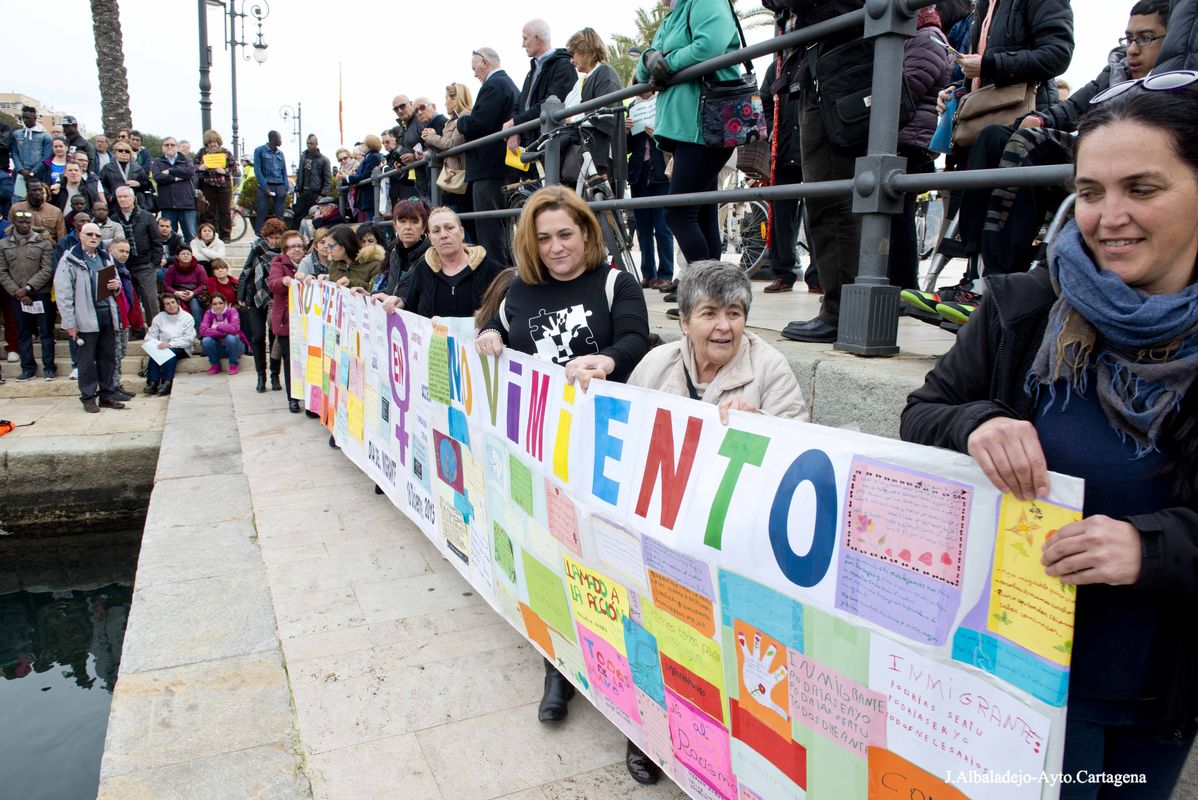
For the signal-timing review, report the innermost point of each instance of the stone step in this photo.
(62, 386)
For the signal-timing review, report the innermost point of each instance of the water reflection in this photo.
(42, 630)
(64, 602)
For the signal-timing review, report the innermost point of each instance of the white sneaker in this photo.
(74, 376)
(13, 357)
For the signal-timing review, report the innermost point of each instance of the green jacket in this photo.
(711, 33)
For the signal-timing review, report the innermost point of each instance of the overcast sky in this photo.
(394, 47)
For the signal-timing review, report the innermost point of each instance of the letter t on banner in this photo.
(740, 448)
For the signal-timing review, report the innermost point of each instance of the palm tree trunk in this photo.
(110, 63)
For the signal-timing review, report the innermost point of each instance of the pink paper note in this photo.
(836, 707)
(609, 671)
(702, 745)
(563, 517)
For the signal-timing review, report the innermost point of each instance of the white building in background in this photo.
(11, 102)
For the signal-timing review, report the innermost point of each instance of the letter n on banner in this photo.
(659, 462)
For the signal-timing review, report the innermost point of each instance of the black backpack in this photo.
(843, 76)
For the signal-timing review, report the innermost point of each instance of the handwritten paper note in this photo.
(892, 777)
(896, 598)
(835, 706)
(770, 612)
(655, 730)
(686, 570)
(907, 518)
(642, 113)
(683, 602)
(609, 672)
(1027, 606)
(453, 528)
(643, 660)
(702, 745)
(563, 517)
(505, 557)
(521, 483)
(547, 596)
(948, 721)
(438, 369)
(537, 631)
(619, 549)
(598, 602)
(684, 645)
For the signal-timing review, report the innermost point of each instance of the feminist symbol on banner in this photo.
(401, 385)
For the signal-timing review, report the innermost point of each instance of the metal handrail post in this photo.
(434, 172)
(868, 324)
(552, 161)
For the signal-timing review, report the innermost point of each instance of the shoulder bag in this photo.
(991, 105)
(730, 112)
(452, 180)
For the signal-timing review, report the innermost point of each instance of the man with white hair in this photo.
(551, 73)
(89, 316)
(145, 247)
(486, 169)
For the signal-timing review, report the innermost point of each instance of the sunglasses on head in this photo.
(1161, 82)
(22, 215)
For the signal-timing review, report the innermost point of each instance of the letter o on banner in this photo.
(808, 570)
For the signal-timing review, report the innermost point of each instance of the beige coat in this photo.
(758, 373)
(449, 138)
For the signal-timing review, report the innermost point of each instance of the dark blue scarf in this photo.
(1144, 348)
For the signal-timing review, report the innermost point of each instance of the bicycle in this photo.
(930, 209)
(591, 186)
(240, 224)
(744, 226)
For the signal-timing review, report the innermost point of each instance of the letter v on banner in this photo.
(491, 384)
(659, 463)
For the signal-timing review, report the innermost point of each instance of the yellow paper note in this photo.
(512, 159)
(684, 644)
(1028, 607)
(598, 602)
(356, 418)
(215, 160)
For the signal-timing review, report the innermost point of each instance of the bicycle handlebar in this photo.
(535, 150)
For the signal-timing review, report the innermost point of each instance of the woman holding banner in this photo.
(282, 273)
(1087, 368)
(567, 306)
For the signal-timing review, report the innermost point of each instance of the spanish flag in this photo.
(340, 106)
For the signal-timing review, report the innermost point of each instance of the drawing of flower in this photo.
(1003, 619)
(1065, 646)
(1023, 529)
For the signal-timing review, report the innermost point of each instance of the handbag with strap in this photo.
(730, 112)
(452, 180)
(991, 105)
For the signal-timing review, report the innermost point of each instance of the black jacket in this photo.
(641, 172)
(1030, 41)
(59, 200)
(982, 377)
(175, 189)
(557, 78)
(431, 294)
(141, 229)
(602, 80)
(400, 261)
(314, 174)
(495, 105)
(112, 178)
(1180, 48)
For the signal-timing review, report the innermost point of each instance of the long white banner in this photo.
(770, 609)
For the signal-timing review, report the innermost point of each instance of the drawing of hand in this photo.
(756, 672)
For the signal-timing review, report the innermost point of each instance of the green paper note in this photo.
(521, 484)
(547, 596)
(504, 555)
(438, 370)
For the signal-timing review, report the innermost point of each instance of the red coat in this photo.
(281, 267)
(226, 290)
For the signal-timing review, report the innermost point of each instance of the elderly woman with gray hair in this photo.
(717, 360)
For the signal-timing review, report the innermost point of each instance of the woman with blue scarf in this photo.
(1087, 369)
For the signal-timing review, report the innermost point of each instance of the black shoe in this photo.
(673, 313)
(293, 406)
(333, 442)
(112, 404)
(378, 489)
(672, 297)
(122, 395)
(49, 374)
(90, 406)
(558, 691)
(151, 387)
(640, 766)
(311, 414)
(26, 376)
(672, 286)
(275, 386)
(261, 387)
(164, 389)
(813, 330)
(136, 334)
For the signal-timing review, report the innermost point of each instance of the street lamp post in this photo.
(295, 116)
(233, 12)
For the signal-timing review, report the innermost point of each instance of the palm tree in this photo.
(110, 63)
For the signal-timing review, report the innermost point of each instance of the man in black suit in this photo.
(486, 169)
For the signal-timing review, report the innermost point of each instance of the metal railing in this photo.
(868, 324)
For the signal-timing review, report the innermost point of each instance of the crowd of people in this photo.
(1084, 367)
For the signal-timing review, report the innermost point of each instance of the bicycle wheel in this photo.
(615, 235)
(743, 234)
(240, 225)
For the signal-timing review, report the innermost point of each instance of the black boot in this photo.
(151, 387)
(558, 691)
(261, 387)
(164, 389)
(275, 386)
(293, 406)
(640, 766)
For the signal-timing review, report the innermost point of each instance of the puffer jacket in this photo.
(758, 373)
(1180, 48)
(26, 262)
(557, 78)
(74, 293)
(400, 260)
(927, 68)
(113, 176)
(1064, 115)
(1030, 41)
(362, 270)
